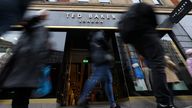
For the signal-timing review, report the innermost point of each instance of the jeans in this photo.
(100, 73)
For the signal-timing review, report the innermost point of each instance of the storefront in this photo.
(71, 67)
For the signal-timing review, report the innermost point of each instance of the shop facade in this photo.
(70, 62)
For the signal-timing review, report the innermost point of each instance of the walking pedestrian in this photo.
(22, 72)
(138, 27)
(101, 71)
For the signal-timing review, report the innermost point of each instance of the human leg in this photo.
(170, 86)
(21, 97)
(154, 54)
(109, 88)
(95, 77)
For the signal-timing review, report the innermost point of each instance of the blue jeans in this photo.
(100, 73)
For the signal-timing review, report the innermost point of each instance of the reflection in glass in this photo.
(172, 51)
(141, 74)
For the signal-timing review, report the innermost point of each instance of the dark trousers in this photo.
(170, 86)
(21, 97)
(154, 55)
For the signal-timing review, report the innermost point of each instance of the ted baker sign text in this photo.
(91, 18)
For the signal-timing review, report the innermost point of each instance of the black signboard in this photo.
(181, 10)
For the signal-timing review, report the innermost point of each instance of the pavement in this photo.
(134, 102)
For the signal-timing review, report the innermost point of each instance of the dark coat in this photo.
(23, 68)
(11, 11)
(99, 48)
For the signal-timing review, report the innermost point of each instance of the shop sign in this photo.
(181, 10)
(59, 18)
(91, 18)
(84, 19)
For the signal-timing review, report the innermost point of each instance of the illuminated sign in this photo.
(85, 60)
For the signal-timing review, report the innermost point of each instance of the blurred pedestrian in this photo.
(137, 27)
(101, 69)
(22, 71)
(189, 60)
(11, 11)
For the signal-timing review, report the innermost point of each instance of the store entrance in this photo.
(78, 68)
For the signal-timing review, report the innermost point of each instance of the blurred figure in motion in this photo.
(137, 27)
(189, 60)
(101, 61)
(22, 71)
(11, 11)
(171, 77)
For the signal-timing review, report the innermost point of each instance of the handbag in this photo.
(45, 84)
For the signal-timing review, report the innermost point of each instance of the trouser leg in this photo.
(109, 87)
(154, 56)
(90, 84)
(21, 97)
(170, 85)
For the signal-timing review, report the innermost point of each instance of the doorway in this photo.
(78, 69)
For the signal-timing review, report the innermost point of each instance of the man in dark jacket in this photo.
(11, 11)
(137, 27)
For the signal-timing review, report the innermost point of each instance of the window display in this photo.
(140, 73)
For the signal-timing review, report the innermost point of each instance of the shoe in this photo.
(165, 106)
(117, 106)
